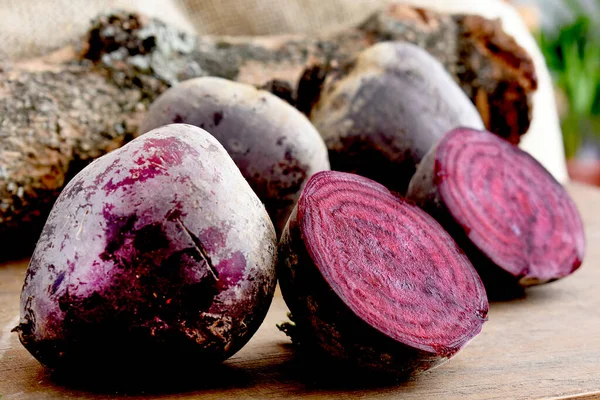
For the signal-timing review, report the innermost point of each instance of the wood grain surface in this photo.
(544, 346)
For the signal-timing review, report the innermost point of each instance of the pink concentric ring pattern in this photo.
(510, 207)
(390, 263)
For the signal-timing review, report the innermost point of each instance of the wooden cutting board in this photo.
(545, 346)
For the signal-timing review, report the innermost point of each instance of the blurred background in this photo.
(567, 31)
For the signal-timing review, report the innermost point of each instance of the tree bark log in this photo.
(60, 112)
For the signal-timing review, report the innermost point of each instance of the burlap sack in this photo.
(262, 17)
(33, 27)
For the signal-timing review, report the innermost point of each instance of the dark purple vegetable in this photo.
(155, 255)
(374, 281)
(516, 223)
(381, 114)
(274, 145)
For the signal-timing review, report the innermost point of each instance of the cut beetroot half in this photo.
(373, 280)
(503, 208)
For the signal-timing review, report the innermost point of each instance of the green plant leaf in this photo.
(573, 58)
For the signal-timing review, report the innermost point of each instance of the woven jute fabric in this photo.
(259, 17)
(34, 27)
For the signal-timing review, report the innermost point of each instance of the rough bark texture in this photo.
(52, 123)
(59, 113)
(497, 75)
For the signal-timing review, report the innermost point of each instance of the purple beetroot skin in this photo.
(382, 113)
(373, 281)
(274, 145)
(156, 254)
(516, 223)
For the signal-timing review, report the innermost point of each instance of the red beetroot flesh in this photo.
(390, 264)
(508, 206)
(520, 217)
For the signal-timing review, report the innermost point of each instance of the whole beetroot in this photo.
(516, 223)
(373, 281)
(274, 145)
(380, 114)
(154, 255)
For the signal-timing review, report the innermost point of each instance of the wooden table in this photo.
(545, 346)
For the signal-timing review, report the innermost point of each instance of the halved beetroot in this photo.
(374, 281)
(516, 223)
